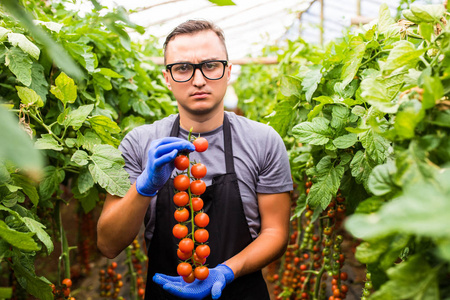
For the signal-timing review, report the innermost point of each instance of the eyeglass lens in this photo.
(211, 70)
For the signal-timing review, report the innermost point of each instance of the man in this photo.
(248, 179)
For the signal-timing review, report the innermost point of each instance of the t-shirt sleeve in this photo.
(275, 175)
(131, 152)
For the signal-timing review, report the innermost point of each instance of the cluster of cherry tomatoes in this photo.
(63, 291)
(189, 209)
(138, 257)
(314, 258)
(110, 282)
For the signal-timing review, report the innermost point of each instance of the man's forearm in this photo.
(120, 221)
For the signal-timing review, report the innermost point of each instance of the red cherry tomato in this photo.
(198, 170)
(186, 245)
(68, 282)
(181, 215)
(201, 273)
(190, 278)
(197, 260)
(181, 198)
(198, 187)
(184, 269)
(201, 235)
(181, 162)
(179, 231)
(202, 251)
(181, 182)
(197, 203)
(201, 144)
(183, 256)
(201, 219)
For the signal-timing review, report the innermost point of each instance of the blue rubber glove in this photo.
(160, 165)
(218, 278)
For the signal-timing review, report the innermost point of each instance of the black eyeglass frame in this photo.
(197, 66)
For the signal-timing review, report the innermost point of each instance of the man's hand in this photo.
(218, 278)
(160, 164)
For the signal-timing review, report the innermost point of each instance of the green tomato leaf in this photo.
(41, 234)
(328, 181)
(50, 183)
(283, 116)
(311, 80)
(426, 30)
(39, 287)
(318, 108)
(29, 97)
(409, 115)
(385, 21)
(76, 117)
(47, 141)
(20, 64)
(428, 13)
(345, 141)
(105, 127)
(433, 91)
(38, 81)
(85, 181)
(380, 179)
(108, 72)
(80, 157)
(18, 39)
(408, 14)
(375, 145)
(65, 89)
(361, 167)
(316, 132)
(5, 292)
(21, 240)
(28, 187)
(106, 168)
(402, 57)
(353, 60)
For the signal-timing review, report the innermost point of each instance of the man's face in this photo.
(198, 96)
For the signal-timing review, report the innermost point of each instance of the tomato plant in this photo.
(181, 198)
(201, 273)
(201, 219)
(198, 170)
(186, 245)
(197, 203)
(198, 187)
(180, 231)
(201, 144)
(181, 215)
(184, 269)
(181, 162)
(201, 235)
(181, 182)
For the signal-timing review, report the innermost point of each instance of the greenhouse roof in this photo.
(249, 25)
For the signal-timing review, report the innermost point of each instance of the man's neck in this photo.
(201, 124)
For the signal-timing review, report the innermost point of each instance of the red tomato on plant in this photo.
(181, 215)
(181, 182)
(198, 170)
(198, 187)
(181, 198)
(201, 219)
(201, 273)
(201, 144)
(197, 203)
(190, 278)
(197, 260)
(68, 282)
(179, 231)
(186, 245)
(201, 235)
(183, 256)
(181, 162)
(184, 269)
(202, 251)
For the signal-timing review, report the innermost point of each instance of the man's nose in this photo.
(198, 79)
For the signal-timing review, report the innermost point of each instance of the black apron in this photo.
(228, 232)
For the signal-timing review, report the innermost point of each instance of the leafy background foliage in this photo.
(368, 116)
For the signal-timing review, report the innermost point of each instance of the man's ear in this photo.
(229, 72)
(166, 79)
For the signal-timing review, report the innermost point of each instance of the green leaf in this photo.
(380, 180)
(28, 187)
(411, 279)
(385, 250)
(80, 157)
(107, 169)
(108, 72)
(433, 91)
(104, 127)
(21, 240)
(318, 108)
(5, 292)
(102, 81)
(345, 141)
(39, 287)
(18, 39)
(407, 13)
(3, 32)
(29, 97)
(89, 140)
(328, 181)
(316, 132)
(130, 122)
(409, 115)
(428, 13)
(353, 60)
(340, 117)
(89, 201)
(222, 2)
(20, 64)
(423, 210)
(375, 145)
(311, 80)
(50, 183)
(426, 30)
(384, 18)
(65, 89)
(402, 57)
(77, 117)
(53, 26)
(47, 141)
(17, 146)
(41, 234)
(38, 81)
(85, 181)
(283, 115)
(290, 86)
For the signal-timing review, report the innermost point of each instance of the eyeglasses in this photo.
(211, 69)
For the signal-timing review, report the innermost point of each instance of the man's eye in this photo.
(210, 65)
(182, 68)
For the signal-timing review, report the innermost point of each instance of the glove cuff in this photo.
(227, 272)
(142, 192)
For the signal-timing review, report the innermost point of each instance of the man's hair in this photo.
(192, 27)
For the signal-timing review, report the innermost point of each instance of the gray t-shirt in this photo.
(260, 160)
